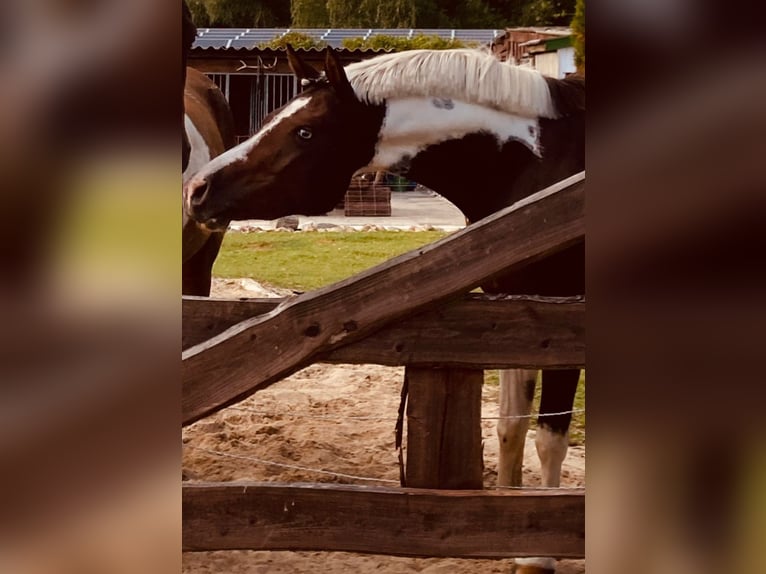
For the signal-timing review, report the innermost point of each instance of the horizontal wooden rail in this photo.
(264, 349)
(377, 520)
(477, 331)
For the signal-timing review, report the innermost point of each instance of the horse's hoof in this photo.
(534, 566)
(531, 570)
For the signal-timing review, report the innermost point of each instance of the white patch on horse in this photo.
(243, 150)
(200, 153)
(412, 124)
(516, 390)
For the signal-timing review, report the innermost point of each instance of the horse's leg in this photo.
(198, 269)
(517, 389)
(559, 388)
(552, 442)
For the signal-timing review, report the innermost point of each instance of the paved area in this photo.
(408, 209)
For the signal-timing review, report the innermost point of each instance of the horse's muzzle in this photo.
(195, 196)
(196, 193)
(215, 225)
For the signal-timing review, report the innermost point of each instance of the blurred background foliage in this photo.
(383, 13)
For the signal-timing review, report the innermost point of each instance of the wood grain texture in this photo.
(444, 447)
(395, 521)
(475, 331)
(262, 350)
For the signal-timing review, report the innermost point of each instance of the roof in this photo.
(549, 44)
(239, 38)
(546, 30)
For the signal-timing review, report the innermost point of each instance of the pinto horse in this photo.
(208, 131)
(480, 132)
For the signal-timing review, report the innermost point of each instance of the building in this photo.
(549, 50)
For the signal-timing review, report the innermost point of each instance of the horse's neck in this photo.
(481, 172)
(411, 125)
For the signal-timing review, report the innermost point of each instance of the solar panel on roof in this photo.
(250, 37)
(391, 32)
(311, 31)
(341, 34)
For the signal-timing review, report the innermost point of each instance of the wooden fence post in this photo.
(444, 448)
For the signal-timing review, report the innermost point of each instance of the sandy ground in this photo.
(337, 418)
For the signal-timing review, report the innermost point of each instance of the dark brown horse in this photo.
(208, 131)
(482, 133)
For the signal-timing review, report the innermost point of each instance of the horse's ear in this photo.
(335, 73)
(299, 67)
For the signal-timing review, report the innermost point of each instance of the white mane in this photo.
(469, 75)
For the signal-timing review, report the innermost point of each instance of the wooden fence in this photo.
(412, 310)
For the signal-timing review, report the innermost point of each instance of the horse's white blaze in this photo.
(412, 124)
(243, 150)
(200, 153)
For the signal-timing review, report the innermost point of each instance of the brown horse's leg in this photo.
(197, 271)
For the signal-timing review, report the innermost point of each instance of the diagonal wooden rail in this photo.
(264, 349)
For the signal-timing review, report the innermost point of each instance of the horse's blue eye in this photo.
(304, 133)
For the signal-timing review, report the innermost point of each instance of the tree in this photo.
(469, 14)
(242, 13)
(382, 13)
(391, 14)
(578, 32)
(399, 43)
(350, 13)
(309, 14)
(199, 13)
(548, 13)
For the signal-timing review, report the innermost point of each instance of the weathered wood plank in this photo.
(261, 350)
(204, 318)
(444, 447)
(476, 331)
(395, 521)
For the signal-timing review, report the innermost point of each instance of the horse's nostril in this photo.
(198, 191)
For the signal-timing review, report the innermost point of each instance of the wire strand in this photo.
(374, 418)
(352, 476)
(291, 466)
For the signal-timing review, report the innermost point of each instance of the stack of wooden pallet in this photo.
(367, 198)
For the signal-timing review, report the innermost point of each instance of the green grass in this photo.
(304, 261)
(577, 428)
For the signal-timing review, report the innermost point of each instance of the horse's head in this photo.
(300, 161)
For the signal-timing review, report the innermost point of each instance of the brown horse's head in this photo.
(300, 161)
